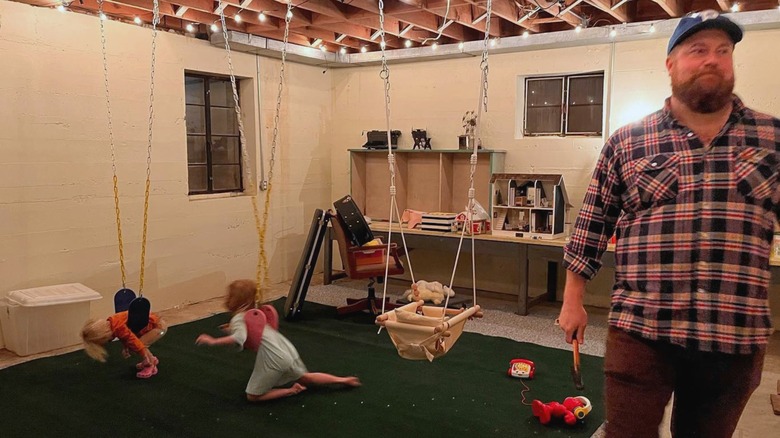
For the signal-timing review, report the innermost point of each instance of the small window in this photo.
(213, 141)
(564, 105)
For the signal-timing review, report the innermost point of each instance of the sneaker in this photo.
(147, 372)
(144, 363)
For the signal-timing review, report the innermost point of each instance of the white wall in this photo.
(56, 197)
(435, 94)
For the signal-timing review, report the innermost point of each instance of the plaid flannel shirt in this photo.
(694, 226)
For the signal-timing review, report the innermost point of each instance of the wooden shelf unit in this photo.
(426, 180)
(529, 205)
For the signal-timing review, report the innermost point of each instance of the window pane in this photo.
(225, 150)
(543, 120)
(543, 110)
(196, 149)
(586, 91)
(221, 92)
(544, 92)
(223, 121)
(584, 119)
(196, 119)
(198, 179)
(227, 177)
(585, 104)
(194, 90)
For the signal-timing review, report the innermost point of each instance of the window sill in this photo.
(216, 195)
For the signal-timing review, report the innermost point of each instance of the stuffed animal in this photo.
(572, 410)
(429, 291)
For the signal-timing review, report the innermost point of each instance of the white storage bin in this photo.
(45, 318)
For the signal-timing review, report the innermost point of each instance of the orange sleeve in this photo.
(120, 329)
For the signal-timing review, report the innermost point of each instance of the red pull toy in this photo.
(521, 368)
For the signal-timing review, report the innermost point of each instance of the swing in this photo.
(418, 331)
(256, 319)
(137, 308)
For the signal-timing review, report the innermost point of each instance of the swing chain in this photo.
(115, 179)
(113, 148)
(260, 224)
(147, 190)
(274, 138)
(384, 74)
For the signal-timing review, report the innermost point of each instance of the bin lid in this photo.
(50, 295)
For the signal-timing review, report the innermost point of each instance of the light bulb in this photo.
(237, 18)
(578, 29)
(289, 14)
(735, 7)
(382, 45)
(261, 16)
(190, 28)
(434, 46)
(363, 49)
(137, 20)
(526, 33)
(343, 50)
(61, 8)
(214, 28)
(408, 43)
(103, 16)
(612, 33)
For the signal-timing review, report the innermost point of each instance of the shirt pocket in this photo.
(756, 173)
(657, 179)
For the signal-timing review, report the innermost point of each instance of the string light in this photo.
(526, 33)
(289, 14)
(461, 45)
(652, 28)
(343, 50)
(578, 29)
(237, 18)
(190, 28)
(434, 46)
(262, 16)
(103, 16)
(214, 28)
(382, 45)
(61, 8)
(137, 20)
(612, 33)
(408, 43)
(363, 49)
(735, 7)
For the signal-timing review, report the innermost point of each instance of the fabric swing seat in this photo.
(425, 335)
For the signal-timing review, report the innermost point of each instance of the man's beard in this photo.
(704, 99)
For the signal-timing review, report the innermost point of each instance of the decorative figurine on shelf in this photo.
(421, 139)
(468, 140)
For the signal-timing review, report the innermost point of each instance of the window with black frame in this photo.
(213, 141)
(564, 105)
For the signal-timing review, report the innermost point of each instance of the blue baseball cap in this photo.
(697, 21)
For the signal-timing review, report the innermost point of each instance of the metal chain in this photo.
(260, 224)
(113, 148)
(147, 191)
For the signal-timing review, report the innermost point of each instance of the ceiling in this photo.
(351, 25)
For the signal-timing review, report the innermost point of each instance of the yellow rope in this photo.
(262, 260)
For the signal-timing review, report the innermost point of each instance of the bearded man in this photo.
(691, 193)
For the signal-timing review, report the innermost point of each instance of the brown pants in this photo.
(710, 389)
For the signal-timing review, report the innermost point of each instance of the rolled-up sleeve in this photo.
(599, 214)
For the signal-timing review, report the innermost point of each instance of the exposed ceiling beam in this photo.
(620, 13)
(725, 5)
(507, 10)
(672, 7)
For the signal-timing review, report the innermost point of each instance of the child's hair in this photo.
(95, 333)
(241, 296)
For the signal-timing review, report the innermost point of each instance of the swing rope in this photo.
(467, 222)
(147, 188)
(483, 101)
(261, 222)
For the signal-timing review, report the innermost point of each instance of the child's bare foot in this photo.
(352, 381)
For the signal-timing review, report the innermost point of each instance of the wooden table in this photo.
(522, 250)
